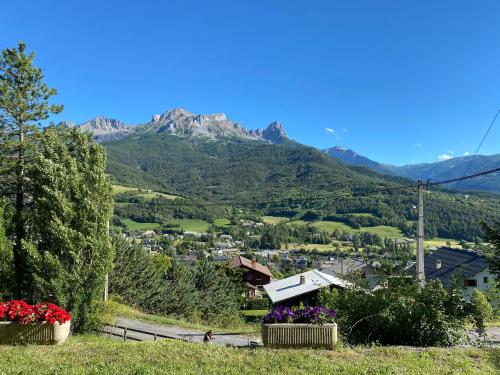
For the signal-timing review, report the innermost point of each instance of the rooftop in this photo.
(291, 287)
(240, 261)
(466, 263)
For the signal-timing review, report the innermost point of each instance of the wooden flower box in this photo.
(299, 335)
(12, 333)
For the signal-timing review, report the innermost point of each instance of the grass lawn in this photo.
(274, 219)
(330, 226)
(148, 196)
(254, 312)
(114, 309)
(191, 225)
(99, 355)
(134, 225)
(384, 231)
(436, 242)
(310, 246)
(222, 222)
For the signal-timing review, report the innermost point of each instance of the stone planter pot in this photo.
(12, 333)
(299, 335)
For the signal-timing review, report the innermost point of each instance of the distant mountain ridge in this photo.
(438, 171)
(352, 158)
(181, 122)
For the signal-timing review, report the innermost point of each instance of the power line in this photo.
(464, 177)
(481, 143)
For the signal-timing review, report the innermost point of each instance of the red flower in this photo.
(24, 313)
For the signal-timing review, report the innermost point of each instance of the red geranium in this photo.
(24, 313)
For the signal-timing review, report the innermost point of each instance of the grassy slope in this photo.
(99, 355)
(116, 309)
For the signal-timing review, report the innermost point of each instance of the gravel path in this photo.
(174, 332)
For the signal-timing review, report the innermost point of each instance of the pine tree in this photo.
(136, 278)
(216, 292)
(24, 102)
(6, 261)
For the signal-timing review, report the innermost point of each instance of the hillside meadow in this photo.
(100, 355)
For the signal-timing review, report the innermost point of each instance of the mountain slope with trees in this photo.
(287, 179)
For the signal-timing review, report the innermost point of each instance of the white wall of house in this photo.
(481, 284)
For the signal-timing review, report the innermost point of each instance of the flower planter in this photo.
(282, 335)
(12, 333)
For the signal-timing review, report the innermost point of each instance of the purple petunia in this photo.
(308, 315)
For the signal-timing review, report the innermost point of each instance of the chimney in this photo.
(438, 264)
(302, 279)
(254, 262)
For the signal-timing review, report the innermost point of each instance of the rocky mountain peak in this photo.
(181, 122)
(275, 132)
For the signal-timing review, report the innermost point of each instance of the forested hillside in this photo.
(283, 180)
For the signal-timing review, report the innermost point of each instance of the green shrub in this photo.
(481, 310)
(257, 304)
(400, 315)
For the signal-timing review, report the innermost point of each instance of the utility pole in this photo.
(106, 281)
(420, 236)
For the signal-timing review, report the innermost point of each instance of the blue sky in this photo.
(398, 81)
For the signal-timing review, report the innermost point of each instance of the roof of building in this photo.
(343, 266)
(239, 261)
(466, 263)
(291, 287)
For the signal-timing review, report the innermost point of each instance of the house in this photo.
(256, 275)
(468, 266)
(302, 288)
(228, 252)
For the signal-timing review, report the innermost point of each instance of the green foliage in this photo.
(71, 205)
(6, 260)
(400, 315)
(493, 237)
(136, 277)
(24, 102)
(257, 304)
(180, 295)
(481, 310)
(217, 297)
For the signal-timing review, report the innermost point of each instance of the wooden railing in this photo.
(126, 337)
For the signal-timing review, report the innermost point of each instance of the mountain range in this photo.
(180, 122)
(438, 171)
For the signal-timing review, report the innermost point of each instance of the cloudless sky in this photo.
(397, 81)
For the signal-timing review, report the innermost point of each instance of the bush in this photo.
(481, 310)
(400, 315)
(257, 304)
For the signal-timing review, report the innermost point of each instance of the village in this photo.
(266, 270)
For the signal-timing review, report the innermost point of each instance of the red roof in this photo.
(239, 261)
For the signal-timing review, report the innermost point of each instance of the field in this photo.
(222, 222)
(99, 355)
(191, 225)
(274, 219)
(134, 225)
(142, 193)
(330, 226)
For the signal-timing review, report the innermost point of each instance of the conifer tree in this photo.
(24, 103)
(71, 205)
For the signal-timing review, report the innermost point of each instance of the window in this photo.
(471, 282)
(486, 280)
